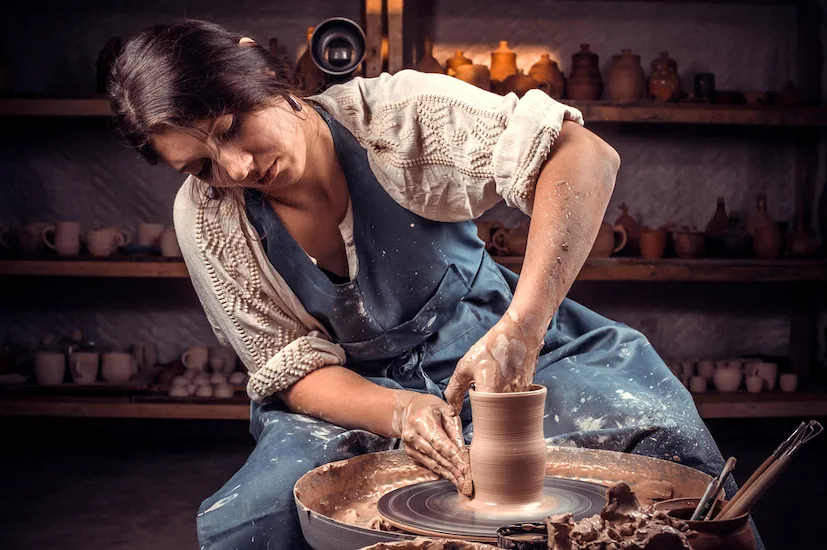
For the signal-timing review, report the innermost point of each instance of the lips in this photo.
(269, 176)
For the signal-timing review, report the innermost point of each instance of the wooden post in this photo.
(373, 37)
(395, 44)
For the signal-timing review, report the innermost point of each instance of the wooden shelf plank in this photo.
(595, 269)
(698, 113)
(91, 268)
(710, 405)
(55, 107)
(593, 111)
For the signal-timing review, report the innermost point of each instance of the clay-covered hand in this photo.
(504, 360)
(432, 436)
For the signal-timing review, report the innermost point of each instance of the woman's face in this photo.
(265, 149)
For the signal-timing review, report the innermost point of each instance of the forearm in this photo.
(572, 193)
(342, 397)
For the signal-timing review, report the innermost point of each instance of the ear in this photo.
(246, 40)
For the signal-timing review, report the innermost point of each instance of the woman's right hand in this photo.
(432, 436)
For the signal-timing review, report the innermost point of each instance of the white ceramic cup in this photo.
(688, 368)
(63, 238)
(769, 372)
(728, 380)
(83, 365)
(196, 358)
(755, 384)
(169, 244)
(706, 368)
(118, 366)
(30, 237)
(788, 382)
(49, 367)
(149, 234)
(697, 384)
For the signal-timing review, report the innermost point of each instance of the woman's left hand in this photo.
(504, 360)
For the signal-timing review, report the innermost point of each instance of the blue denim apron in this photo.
(423, 294)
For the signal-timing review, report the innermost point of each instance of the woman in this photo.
(330, 240)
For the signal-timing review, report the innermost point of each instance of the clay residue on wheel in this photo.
(424, 543)
(623, 523)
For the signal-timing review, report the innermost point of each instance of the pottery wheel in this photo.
(431, 508)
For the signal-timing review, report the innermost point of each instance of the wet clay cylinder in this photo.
(508, 452)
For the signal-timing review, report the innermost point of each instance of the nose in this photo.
(237, 163)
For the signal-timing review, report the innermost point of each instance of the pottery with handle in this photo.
(196, 358)
(610, 239)
(63, 238)
(83, 366)
(508, 452)
(118, 367)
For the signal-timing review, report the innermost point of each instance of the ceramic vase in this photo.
(508, 452)
(503, 62)
(730, 534)
(585, 82)
(664, 82)
(548, 74)
(457, 60)
(427, 63)
(735, 241)
(519, 84)
(627, 80)
(632, 247)
(767, 239)
(715, 228)
(610, 239)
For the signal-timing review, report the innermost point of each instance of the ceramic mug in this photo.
(222, 359)
(788, 382)
(83, 365)
(103, 242)
(196, 358)
(118, 366)
(652, 243)
(49, 367)
(145, 354)
(769, 372)
(728, 380)
(755, 384)
(63, 238)
(149, 234)
(169, 244)
(706, 368)
(30, 237)
(697, 384)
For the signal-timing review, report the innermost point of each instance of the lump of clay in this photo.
(623, 524)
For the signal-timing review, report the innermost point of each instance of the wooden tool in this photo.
(764, 480)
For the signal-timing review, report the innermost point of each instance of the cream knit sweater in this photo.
(444, 149)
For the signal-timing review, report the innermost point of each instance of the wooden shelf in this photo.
(92, 268)
(593, 111)
(703, 270)
(608, 269)
(710, 405)
(703, 114)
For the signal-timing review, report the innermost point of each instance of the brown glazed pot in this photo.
(585, 82)
(519, 83)
(503, 62)
(452, 63)
(508, 452)
(548, 74)
(653, 243)
(730, 534)
(664, 82)
(627, 80)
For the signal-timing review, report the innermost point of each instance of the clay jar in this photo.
(548, 74)
(767, 239)
(664, 82)
(458, 60)
(477, 75)
(518, 83)
(730, 534)
(508, 452)
(632, 230)
(585, 82)
(503, 62)
(689, 244)
(627, 80)
(652, 243)
(609, 240)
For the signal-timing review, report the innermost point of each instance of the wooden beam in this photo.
(373, 37)
(91, 268)
(760, 405)
(100, 408)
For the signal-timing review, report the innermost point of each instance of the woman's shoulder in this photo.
(198, 218)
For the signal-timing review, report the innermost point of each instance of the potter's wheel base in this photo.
(434, 508)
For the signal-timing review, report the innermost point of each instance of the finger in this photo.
(433, 466)
(450, 445)
(453, 427)
(424, 444)
(457, 387)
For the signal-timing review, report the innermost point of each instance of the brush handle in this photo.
(745, 487)
(757, 489)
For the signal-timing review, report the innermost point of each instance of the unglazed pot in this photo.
(478, 75)
(664, 82)
(627, 80)
(427, 63)
(632, 230)
(458, 60)
(585, 82)
(689, 244)
(730, 534)
(609, 240)
(508, 452)
(653, 243)
(519, 83)
(548, 74)
(503, 62)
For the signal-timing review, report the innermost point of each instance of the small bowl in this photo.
(730, 534)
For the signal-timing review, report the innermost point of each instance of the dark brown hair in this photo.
(170, 76)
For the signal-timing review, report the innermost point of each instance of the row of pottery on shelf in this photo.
(66, 238)
(729, 375)
(197, 383)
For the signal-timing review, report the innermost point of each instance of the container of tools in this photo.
(729, 534)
